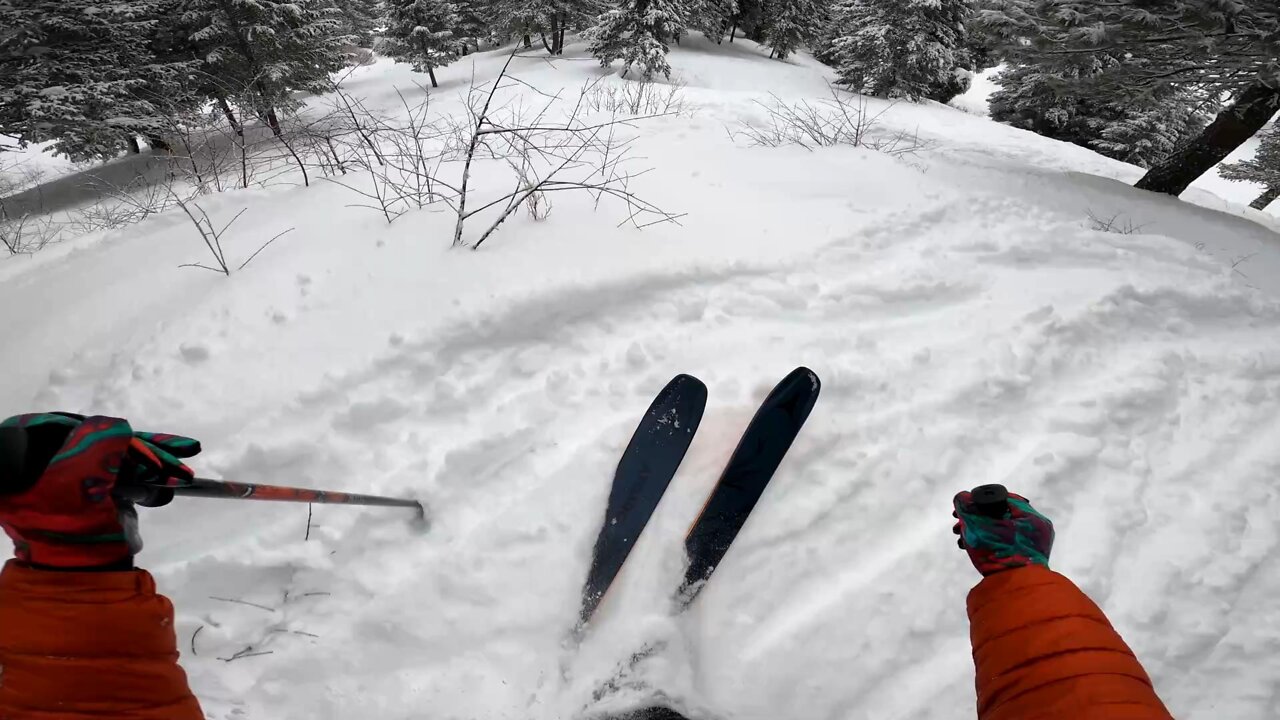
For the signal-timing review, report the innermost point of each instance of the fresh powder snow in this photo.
(969, 321)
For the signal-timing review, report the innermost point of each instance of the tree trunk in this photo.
(528, 42)
(231, 117)
(560, 40)
(432, 72)
(1267, 197)
(134, 147)
(273, 122)
(1249, 113)
(546, 44)
(734, 29)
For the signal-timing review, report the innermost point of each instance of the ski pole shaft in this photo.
(203, 487)
(991, 500)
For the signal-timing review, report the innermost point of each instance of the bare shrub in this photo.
(400, 157)
(637, 97)
(120, 205)
(212, 237)
(545, 155)
(1114, 224)
(842, 119)
(27, 233)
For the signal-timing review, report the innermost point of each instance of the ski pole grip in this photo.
(13, 453)
(991, 500)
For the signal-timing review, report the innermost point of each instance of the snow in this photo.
(967, 322)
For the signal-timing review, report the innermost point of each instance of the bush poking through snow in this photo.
(838, 120)
(638, 97)
(1115, 224)
(26, 233)
(212, 237)
(401, 157)
(547, 156)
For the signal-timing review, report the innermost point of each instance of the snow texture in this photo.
(968, 324)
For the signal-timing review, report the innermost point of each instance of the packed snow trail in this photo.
(969, 328)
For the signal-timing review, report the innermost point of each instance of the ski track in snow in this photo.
(966, 332)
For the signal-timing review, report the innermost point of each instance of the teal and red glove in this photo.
(1022, 537)
(56, 499)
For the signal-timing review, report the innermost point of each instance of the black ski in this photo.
(644, 472)
(759, 453)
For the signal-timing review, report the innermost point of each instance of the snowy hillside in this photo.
(968, 320)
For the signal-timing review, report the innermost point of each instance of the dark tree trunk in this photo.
(733, 30)
(528, 42)
(432, 72)
(1250, 111)
(546, 44)
(134, 147)
(231, 116)
(273, 122)
(1267, 197)
(560, 41)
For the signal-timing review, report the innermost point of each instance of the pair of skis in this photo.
(651, 460)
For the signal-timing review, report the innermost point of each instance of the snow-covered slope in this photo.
(968, 324)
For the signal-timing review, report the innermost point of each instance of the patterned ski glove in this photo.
(1022, 537)
(56, 500)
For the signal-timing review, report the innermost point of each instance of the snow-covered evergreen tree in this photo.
(359, 18)
(1263, 168)
(637, 32)
(81, 73)
(421, 32)
(548, 21)
(1151, 128)
(902, 48)
(261, 51)
(1068, 103)
(713, 18)
(1222, 47)
(791, 24)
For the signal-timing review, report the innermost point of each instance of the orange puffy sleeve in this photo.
(1044, 651)
(88, 645)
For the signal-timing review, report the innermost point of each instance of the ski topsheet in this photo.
(764, 444)
(753, 463)
(644, 472)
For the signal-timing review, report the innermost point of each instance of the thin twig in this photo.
(242, 602)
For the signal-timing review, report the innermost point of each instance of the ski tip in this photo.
(804, 373)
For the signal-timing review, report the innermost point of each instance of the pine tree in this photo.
(637, 32)
(1219, 46)
(1148, 131)
(713, 18)
(1054, 105)
(1263, 169)
(792, 23)
(902, 48)
(548, 20)
(421, 32)
(81, 73)
(261, 51)
(359, 19)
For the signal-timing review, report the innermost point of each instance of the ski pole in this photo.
(991, 500)
(204, 487)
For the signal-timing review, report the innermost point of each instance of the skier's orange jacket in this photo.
(78, 645)
(101, 645)
(1044, 651)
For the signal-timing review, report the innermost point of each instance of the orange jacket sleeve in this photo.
(97, 645)
(1044, 651)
